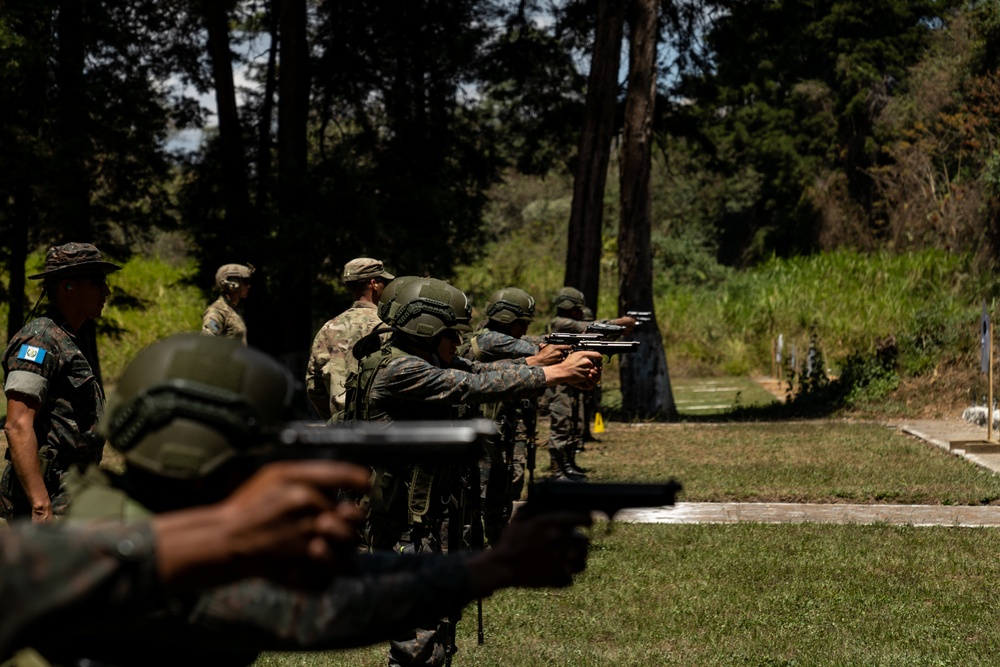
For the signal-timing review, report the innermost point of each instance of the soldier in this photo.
(418, 376)
(222, 318)
(331, 360)
(192, 415)
(564, 403)
(509, 312)
(53, 385)
(105, 576)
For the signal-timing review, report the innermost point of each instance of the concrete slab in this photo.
(958, 437)
(910, 515)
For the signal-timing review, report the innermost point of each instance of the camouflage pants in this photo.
(500, 486)
(565, 418)
(428, 646)
(14, 503)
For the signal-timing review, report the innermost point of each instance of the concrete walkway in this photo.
(953, 436)
(910, 515)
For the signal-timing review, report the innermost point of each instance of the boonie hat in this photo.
(365, 268)
(74, 259)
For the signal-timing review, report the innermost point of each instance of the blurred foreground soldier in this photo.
(222, 318)
(92, 582)
(193, 415)
(53, 385)
(566, 411)
(509, 312)
(418, 376)
(331, 360)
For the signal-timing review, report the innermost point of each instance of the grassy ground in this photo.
(821, 461)
(752, 594)
(713, 396)
(747, 594)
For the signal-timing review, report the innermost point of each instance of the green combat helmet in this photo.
(425, 307)
(227, 278)
(387, 305)
(510, 304)
(569, 298)
(188, 404)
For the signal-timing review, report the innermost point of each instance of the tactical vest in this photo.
(504, 414)
(419, 484)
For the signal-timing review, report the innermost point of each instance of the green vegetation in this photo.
(928, 300)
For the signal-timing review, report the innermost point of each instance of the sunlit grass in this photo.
(811, 462)
(746, 594)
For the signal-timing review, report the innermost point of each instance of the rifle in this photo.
(377, 443)
(641, 316)
(553, 496)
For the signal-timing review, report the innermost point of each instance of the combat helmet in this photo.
(227, 278)
(387, 305)
(190, 403)
(569, 298)
(510, 304)
(425, 307)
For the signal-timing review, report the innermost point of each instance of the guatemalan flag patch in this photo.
(31, 353)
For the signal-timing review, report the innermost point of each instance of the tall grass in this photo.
(848, 298)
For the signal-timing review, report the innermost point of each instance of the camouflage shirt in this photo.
(76, 579)
(331, 360)
(222, 319)
(485, 345)
(409, 381)
(568, 325)
(50, 363)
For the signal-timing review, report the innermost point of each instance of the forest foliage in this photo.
(783, 129)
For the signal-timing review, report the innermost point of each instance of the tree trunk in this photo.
(264, 138)
(235, 185)
(17, 238)
(294, 283)
(73, 149)
(583, 249)
(645, 380)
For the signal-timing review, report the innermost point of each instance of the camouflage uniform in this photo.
(564, 402)
(222, 319)
(502, 480)
(48, 362)
(384, 594)
(396, 385)
(331, 360)
(79, 579)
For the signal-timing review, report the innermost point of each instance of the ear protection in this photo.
(68, 287)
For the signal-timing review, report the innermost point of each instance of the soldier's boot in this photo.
(561, 469)
(570, 453)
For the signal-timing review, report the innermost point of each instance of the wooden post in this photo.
(989, 401)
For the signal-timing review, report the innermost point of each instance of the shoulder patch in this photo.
(31, 353)
(215, 327)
